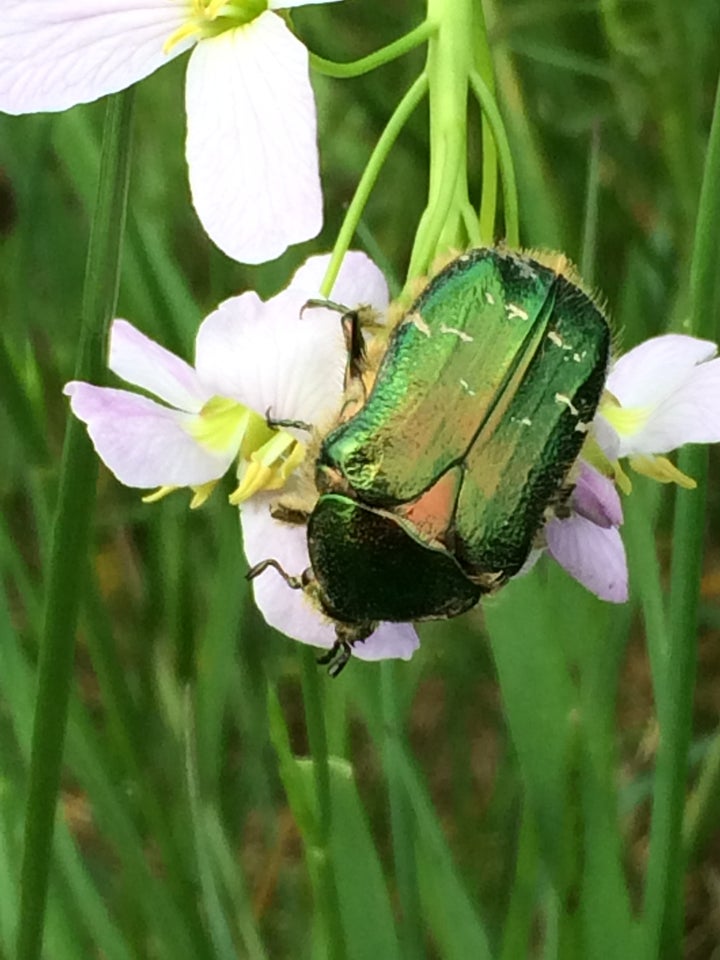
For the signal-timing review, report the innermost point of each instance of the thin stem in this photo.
(663, 910)
(507, 168)
(488, 200)
(402, 819)
(389, 135)
(71, 533)
(392, 51)
(328, 904)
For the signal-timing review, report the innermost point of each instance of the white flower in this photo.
(251, 140)
(587, 543)
(252, 359)
(661, 394)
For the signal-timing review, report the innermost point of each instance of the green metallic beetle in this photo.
(432, 493)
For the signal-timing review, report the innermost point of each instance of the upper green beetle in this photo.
(432, 493)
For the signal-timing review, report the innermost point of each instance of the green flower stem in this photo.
(449, 63)
(488, 201)
(665, 883)
(389, 135)
(402, 817)
(507, 168)
(71, 533)
(380, 57)
(328, 903)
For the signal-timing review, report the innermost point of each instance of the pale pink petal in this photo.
(607, 437)
(290, 611)
(594, 556)
(654, 369)
(359, 282)
(251, 143)
(530, 562)
(391, 641)
(56, 53)
(690, 414)
(595, 497)
(139, 360)
(268, 356)
(143, 443)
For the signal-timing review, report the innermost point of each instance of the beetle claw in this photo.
(336, 657)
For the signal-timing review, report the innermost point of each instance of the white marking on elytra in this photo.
(460, 334)
(554, 337)
(490, 298)
(577, 358)
(562, 398)
(417, 321)
(526, 422)
(582, 427)
(515, 312)
(466, 387)
(524, 268)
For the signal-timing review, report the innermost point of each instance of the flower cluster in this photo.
(259, 362)
(264, 371)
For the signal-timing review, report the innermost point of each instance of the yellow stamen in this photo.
(204, 14)
(159, 494)
(622, 480)
(662, 470)
(189, 29)
(202, 492)
(269, 467)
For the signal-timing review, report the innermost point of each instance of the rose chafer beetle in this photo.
(432, 493)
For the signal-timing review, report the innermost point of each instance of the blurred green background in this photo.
(489, 798)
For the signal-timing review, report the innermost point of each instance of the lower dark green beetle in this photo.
(432, 493)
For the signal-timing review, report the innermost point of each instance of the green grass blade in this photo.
(72, 533)
(665, 878)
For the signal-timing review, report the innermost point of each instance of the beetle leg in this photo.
(278, 511)
(352, 324)
(327, 304)
(336, 657)
(284, 424)
(295, 583)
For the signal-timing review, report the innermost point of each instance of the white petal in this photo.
(269, 357)
(290, 611)
(251, 142)
(359, 281)
(656, 368)
(607, 437)
(691, 414)
(391, 641)
(143, 443)
(144, 363)
(56, 53)
(594, 556)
